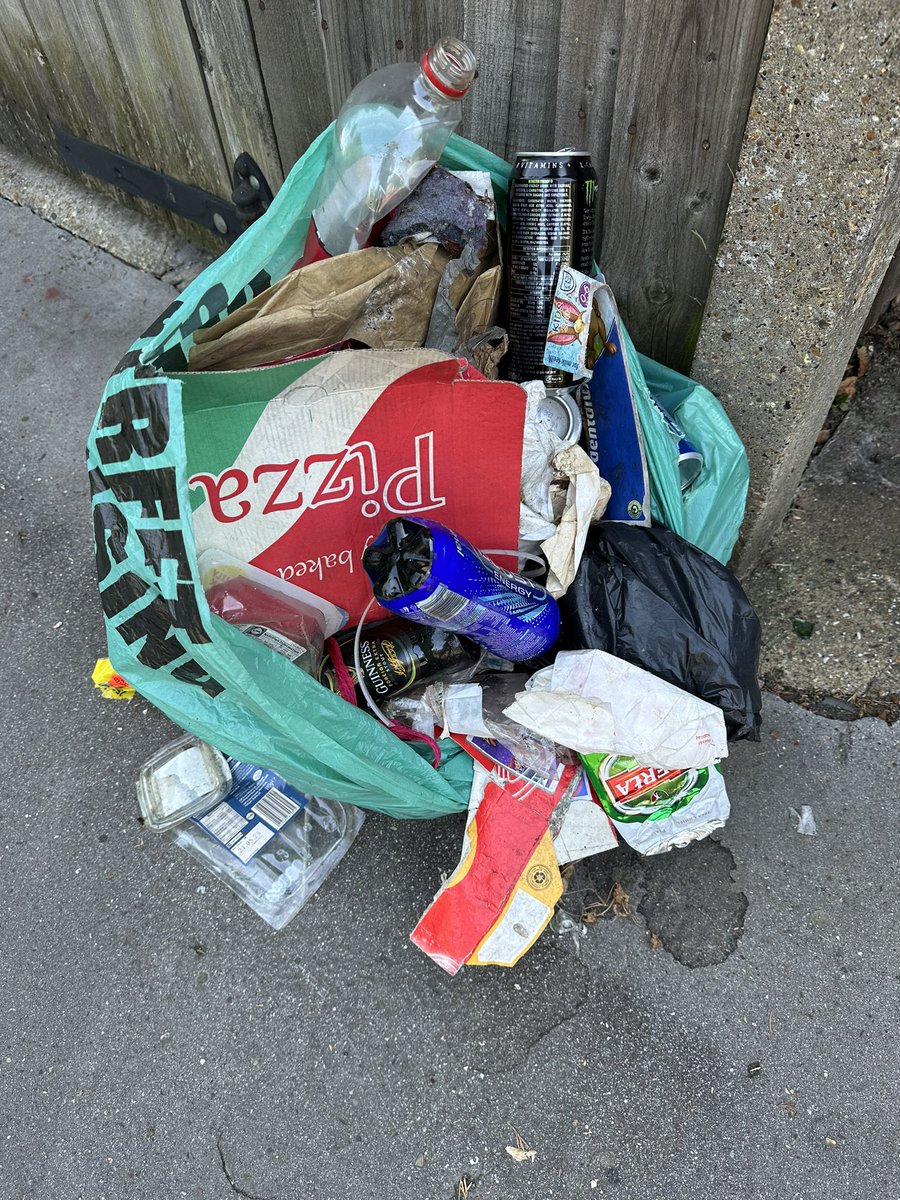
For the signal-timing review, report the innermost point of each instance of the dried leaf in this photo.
(655, 942)
(864, 359)
(847, 386)
(521, 1155)
(618, 902)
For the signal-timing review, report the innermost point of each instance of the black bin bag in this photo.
(650, 597)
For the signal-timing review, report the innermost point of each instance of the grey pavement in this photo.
(157, 1040)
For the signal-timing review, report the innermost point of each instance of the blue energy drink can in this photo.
(424, 571)
(690, 460)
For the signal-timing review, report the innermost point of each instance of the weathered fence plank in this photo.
(291, 52)
(155, 65)
(656, 90)
(60, 70)
(22, 83)
(686, 75)
(589, 55)
(352, 47)
(513, 103)
(360, 37)
(127, 79)
(158, 67)
(230, 66)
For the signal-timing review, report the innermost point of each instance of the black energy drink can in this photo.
(551, 217)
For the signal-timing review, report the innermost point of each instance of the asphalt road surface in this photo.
(158, 1040)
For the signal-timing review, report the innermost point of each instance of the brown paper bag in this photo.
(379, 296)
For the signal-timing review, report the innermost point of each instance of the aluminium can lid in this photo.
(554, 154)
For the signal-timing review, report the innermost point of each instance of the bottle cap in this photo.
(449, 66)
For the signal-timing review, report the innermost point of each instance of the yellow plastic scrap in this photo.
(112, 686)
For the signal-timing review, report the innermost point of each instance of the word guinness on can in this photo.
(552, 216)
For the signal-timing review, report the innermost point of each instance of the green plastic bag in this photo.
(710, 513)
(204, 674)
(207, 676)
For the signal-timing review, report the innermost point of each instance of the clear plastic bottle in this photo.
(390, 132)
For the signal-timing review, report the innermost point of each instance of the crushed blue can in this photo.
(690, 460)
(426, 572)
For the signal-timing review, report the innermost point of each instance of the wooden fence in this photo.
(657, 90)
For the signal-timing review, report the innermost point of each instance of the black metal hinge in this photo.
(250, 197)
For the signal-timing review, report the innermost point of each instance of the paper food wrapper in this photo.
(592, 701)
(504, 891)
(586, 829)
(109, 682)
(381, 297)
(587, 495)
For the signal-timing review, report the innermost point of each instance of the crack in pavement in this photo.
(236, 1188)
(689, 899)
(835, 704)
(692, 902)
(514, 1062)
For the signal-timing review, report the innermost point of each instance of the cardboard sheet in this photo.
(300, 486)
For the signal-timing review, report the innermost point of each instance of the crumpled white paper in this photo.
(593, 702)
(460, 705)
(586, 500)
(546, 457)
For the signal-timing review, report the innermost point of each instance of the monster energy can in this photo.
(551, 220)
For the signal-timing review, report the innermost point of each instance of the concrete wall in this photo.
(813, 223)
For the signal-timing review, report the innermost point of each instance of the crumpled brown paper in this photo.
(381, 296)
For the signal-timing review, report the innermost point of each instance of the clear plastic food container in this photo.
(269, 843)
(288, 619)
(181, 779)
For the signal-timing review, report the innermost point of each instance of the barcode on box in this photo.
(442, 604)
(276, 808)
(224, 823)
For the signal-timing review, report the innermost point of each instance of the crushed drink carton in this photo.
(576, 335)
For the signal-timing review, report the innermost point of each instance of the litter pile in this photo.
(389, 514)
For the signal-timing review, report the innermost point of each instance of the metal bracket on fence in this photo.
(250, 197)
(251, 194)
